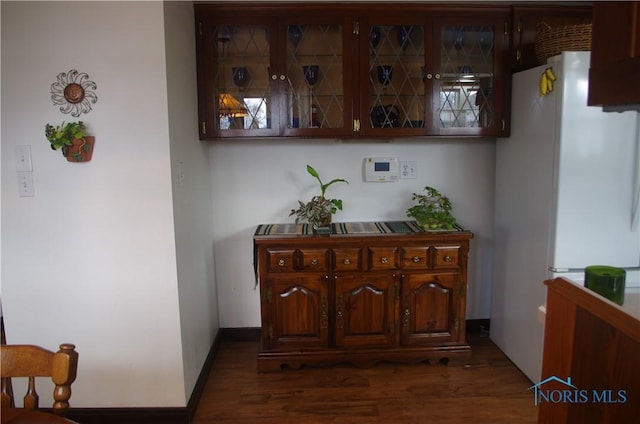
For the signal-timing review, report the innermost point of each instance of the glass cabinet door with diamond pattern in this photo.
(317, 95)
(466, 77)
(431, 75)
(238, 97)
(392, 76)
(275, 76)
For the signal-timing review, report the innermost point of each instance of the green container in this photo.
(607, 281)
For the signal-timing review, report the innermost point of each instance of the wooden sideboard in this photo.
(366, 293)
(596, 344)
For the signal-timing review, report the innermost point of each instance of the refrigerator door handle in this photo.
(574, 270)
(564, 270)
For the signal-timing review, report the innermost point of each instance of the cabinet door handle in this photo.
(429, 76)
(283, 77)
(346, 261)
(415, 259)
(281, 262)
(384, 260)
(405, 317)
(339, 312)
(437, 76)
(274, 77)
(323, 307)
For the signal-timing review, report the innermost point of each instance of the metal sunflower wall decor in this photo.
(74, 92)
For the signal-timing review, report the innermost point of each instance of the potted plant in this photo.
(72, 138)
(319, 209)
(433, 211)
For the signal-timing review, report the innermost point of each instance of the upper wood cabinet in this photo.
(434, 74)
(349, 71)
(529, 19)
(615, 57)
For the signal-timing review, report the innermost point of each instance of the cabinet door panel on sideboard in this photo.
(365, 309)
(297, 306)
(428, 308)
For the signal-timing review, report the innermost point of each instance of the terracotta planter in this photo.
(80, 149)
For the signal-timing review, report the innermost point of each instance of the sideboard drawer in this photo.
(280, 260)
(381, 258)
(414, 257)
(347, 259)
(314, 259)
(446, 256)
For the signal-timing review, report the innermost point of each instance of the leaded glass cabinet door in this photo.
(394, 64)
(467, 82)
(316, 77)
(243, 93)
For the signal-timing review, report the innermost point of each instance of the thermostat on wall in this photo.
(381, 169)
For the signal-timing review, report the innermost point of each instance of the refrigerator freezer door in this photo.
(593, 181)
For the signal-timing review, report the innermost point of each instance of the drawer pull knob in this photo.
(281, 262)
(415, 259)
(384, 260)
(447, 258)
(346, 261)
(314, 261)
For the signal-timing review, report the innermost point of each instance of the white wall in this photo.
(260, 181)
(94, 258)
(192, 195)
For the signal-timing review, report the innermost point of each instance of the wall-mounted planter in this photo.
(80, 150)
(72, 138)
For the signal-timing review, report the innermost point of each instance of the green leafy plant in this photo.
(318, 211)
(433, 210)
(62, 136)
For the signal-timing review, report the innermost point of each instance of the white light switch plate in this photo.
(23, 158)
(25, 184)
(408, 169)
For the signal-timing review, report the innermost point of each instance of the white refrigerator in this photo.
(566, 197)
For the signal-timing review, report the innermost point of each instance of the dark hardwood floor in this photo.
(490, 390)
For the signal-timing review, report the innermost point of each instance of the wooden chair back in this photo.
(33, 361)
